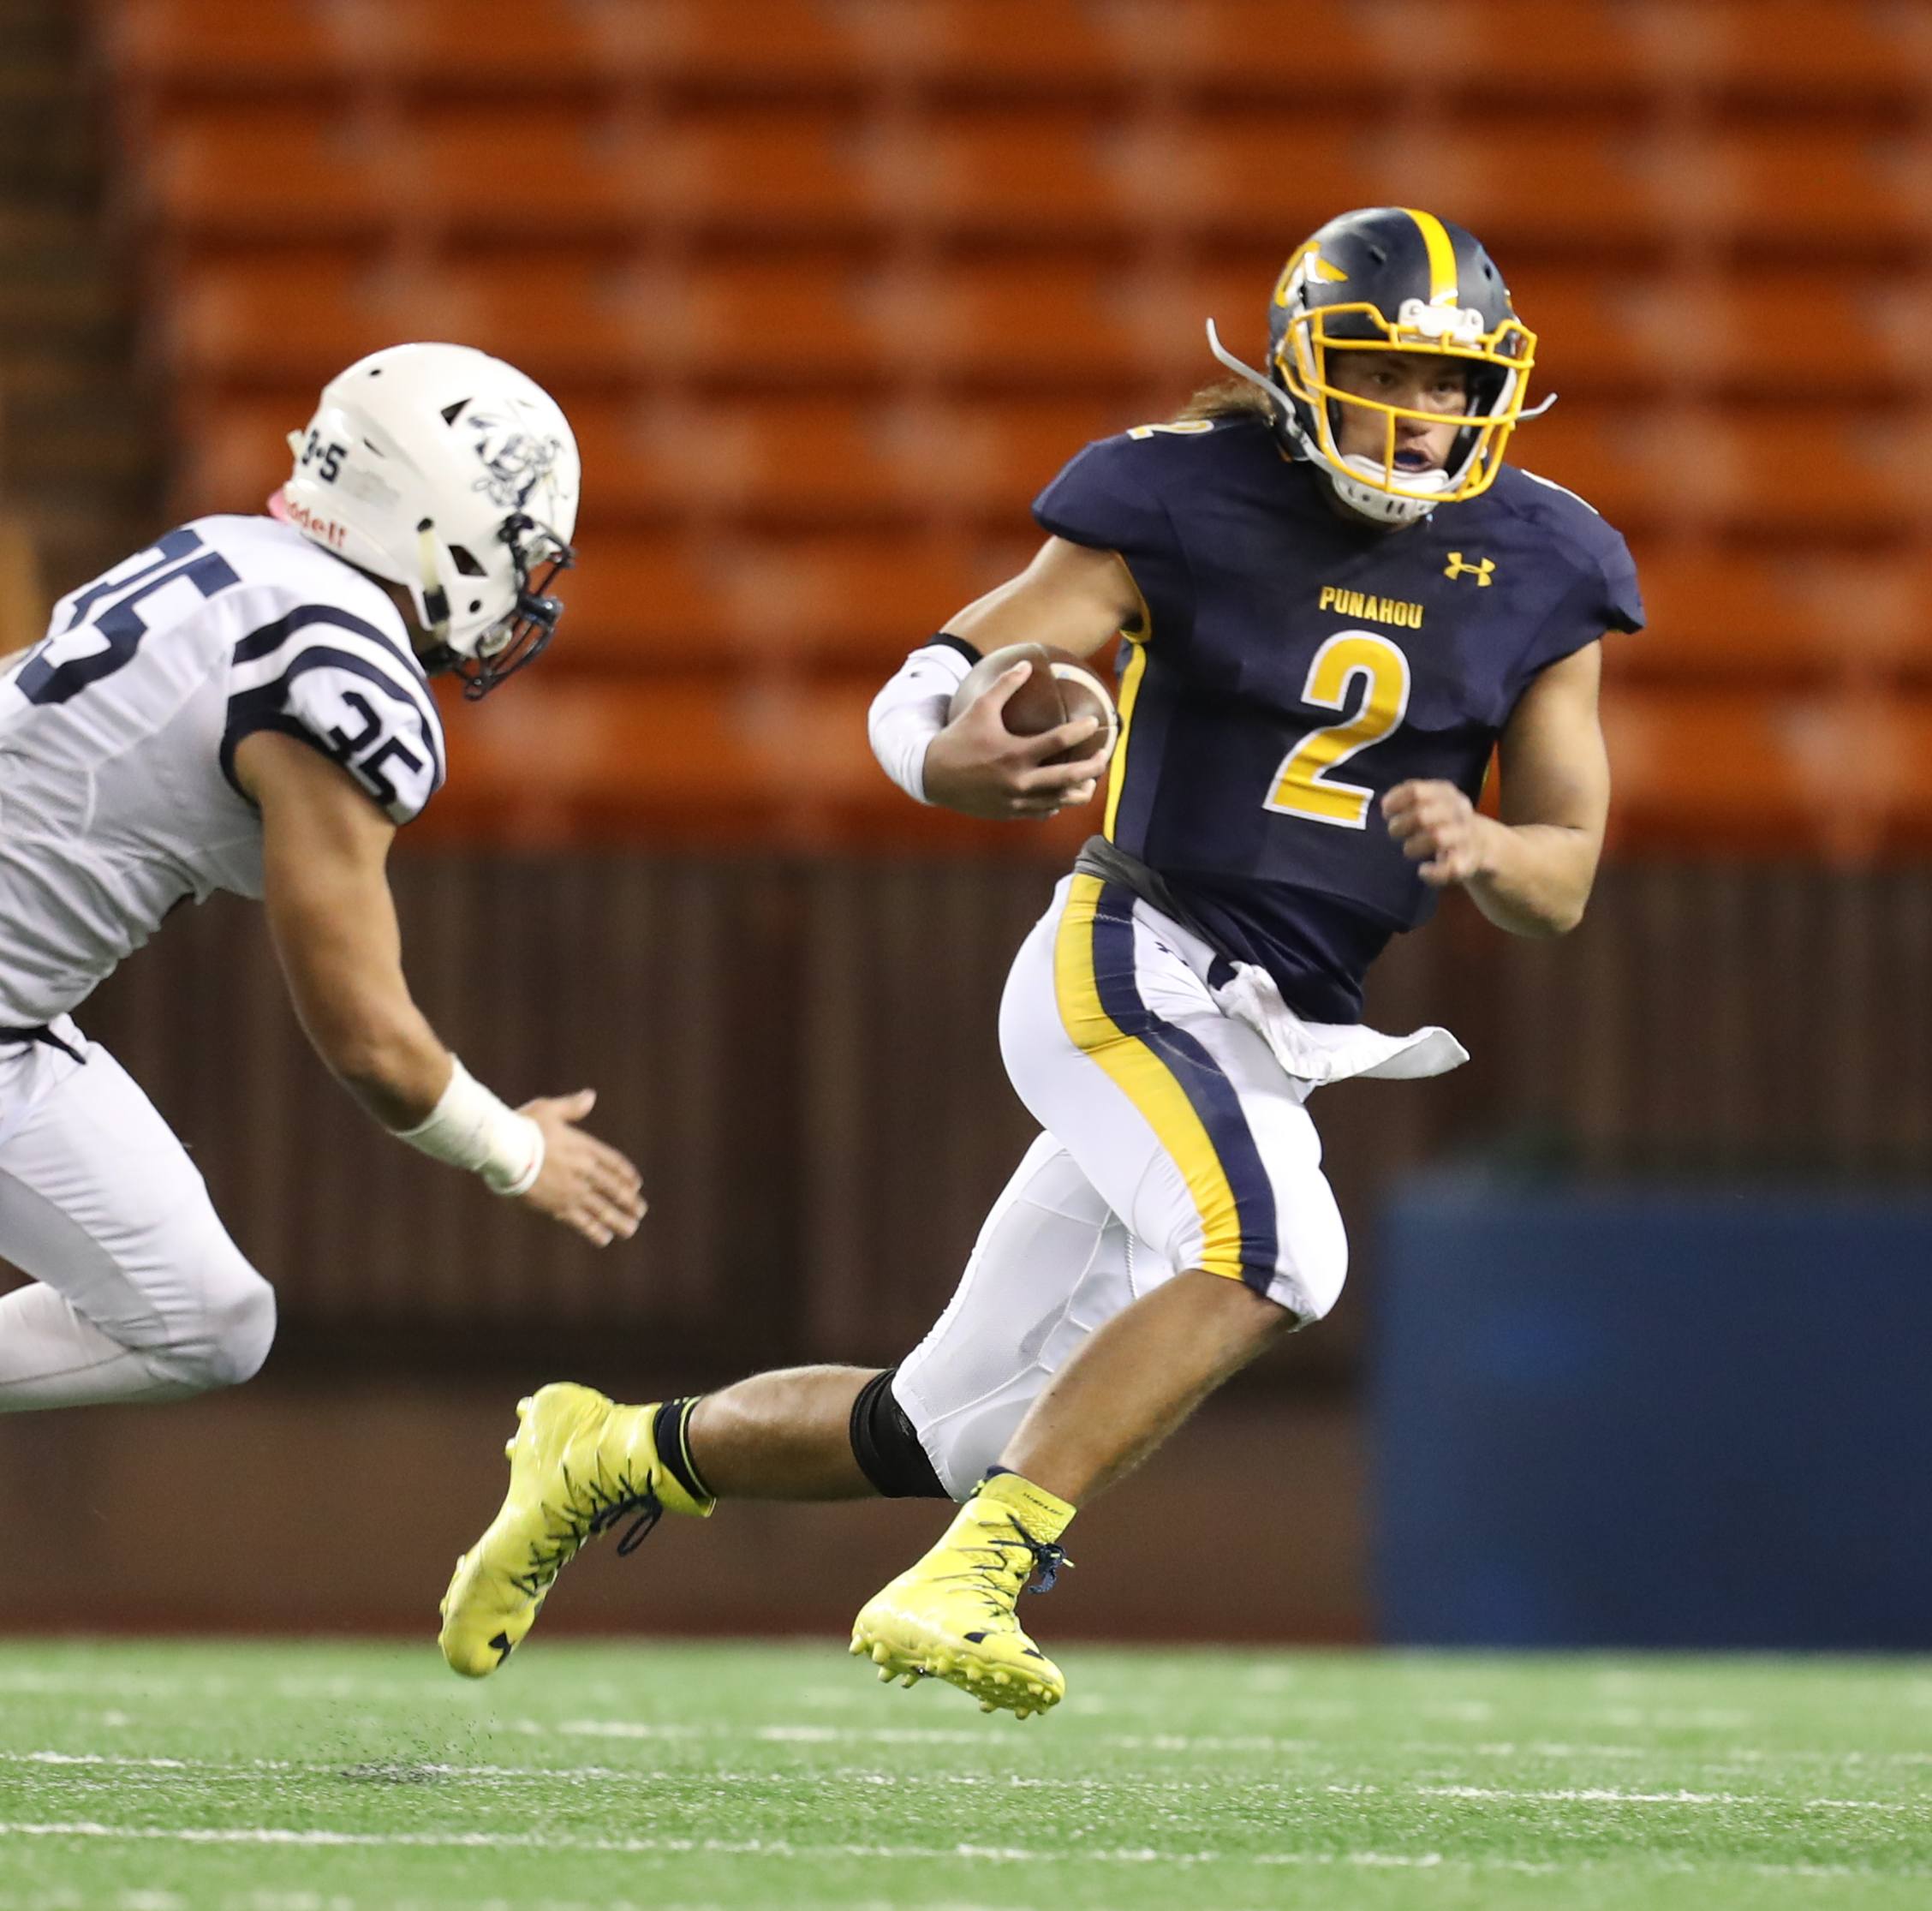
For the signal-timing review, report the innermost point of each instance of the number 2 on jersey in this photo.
(1302, 786)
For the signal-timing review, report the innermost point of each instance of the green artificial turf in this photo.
(335, 1778)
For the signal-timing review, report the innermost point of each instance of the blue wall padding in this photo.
(1643, 1419)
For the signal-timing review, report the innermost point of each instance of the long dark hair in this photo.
(1228, 398)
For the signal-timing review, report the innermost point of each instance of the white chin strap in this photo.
(1363, 492)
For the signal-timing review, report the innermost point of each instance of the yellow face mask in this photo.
(1499, 362)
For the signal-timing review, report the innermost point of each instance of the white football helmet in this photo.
(451, 473)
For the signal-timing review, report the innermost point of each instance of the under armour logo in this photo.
(1483, 570)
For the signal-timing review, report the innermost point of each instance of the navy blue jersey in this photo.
(1298, 664)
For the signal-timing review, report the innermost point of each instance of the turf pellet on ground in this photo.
(342, 1777)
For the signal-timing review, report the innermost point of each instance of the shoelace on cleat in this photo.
(1047, 1559)
(1010, 1578)
(649, 1509)
(606, 1508)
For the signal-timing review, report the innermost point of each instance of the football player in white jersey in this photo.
(245, 706)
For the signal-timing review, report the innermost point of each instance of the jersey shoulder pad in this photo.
(1580, 535)
(349, 686)
(1112, 493)
(1101, 498)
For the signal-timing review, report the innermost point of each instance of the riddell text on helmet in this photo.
(326, 528)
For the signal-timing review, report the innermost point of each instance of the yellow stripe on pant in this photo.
(1145, 1078)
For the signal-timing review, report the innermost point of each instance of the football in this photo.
(1060, 689)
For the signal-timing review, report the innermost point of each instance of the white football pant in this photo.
(137, 1291)
(1175, 1140)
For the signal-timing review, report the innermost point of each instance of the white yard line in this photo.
(406, 1771)
(129, 1900)
(1180, 1742)
(787, 1851)
(1602, 1795)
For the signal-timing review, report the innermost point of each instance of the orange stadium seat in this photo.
(1820, 470)
(1601, 328)
(286, 322)
(1003, 172)
(1820, 185)
(245, 172)
(1012, 44)
(797, 172)
(769, 321)
(567, 320)
(1617, 186)
(210, 45)
(1055, 320)
(665, 743)
(1844, 776)
(722, 601)
(644, 603)
(1777, 616)
(1235, 171)
(293, 321)
(1855, 50)
(1863, 50)
(205, 47)
(1589, 45)
(827, 462)
(1903, 730)
(789, 171)
(750, 45)
(1741, 771)
(267, 173)
(1808, 50)
(554, 760)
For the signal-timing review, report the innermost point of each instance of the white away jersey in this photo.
(118, 729)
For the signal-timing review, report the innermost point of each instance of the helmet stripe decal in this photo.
(1443, 290)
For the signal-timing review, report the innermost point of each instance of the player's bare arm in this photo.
(1530, 872)
(324, 854)
(1072, 597)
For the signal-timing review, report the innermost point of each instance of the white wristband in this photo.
(911, 710)
(469, 1127)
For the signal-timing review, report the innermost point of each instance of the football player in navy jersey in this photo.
(1333, 601)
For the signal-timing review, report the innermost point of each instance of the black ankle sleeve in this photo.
(671, 1431)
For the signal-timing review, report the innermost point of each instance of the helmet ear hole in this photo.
(465, 561)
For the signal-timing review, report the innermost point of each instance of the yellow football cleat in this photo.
(578, 1465)
(951, 1616)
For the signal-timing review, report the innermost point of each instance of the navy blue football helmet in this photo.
(1393, 280)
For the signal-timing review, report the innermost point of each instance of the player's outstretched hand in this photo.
(585, 1183)
(977, 766)
(1439, 828)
